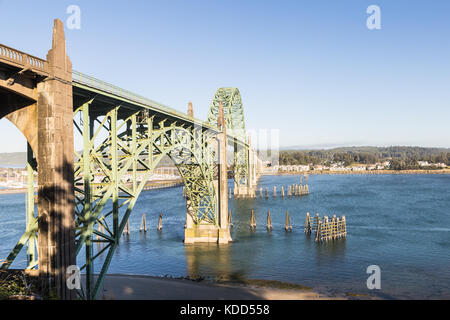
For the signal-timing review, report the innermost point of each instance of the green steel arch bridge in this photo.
(85, 197)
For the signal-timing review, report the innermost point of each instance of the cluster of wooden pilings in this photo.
(269, 226)
(142, 228)
(293, 190)
(326, 229)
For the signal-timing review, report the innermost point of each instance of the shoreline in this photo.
(157, 184)
(366, 172)
(145, 287)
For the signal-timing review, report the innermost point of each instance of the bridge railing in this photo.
(95, 83)
(112, 89)
(22, 59)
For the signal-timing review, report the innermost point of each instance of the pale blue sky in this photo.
(309, 68)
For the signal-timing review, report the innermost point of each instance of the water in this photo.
(398, 222)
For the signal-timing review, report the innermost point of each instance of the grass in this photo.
(14, 284)
(350, 294)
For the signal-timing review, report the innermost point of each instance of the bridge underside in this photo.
(123, 138)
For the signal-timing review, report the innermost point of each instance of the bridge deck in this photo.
(85, 86)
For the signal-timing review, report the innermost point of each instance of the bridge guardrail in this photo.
(95, 83)
(110, 88)
(23, 59)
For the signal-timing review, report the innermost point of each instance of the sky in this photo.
(310, 69)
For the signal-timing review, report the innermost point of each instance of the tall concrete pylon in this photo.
(190, 111)
(219, 233)
(56, 241)
(224, 230)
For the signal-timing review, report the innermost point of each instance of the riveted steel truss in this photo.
(235, 126)
(122, 146)
(111, 172)
(29, 237)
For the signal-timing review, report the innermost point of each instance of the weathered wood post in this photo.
(316, 223)
(308, 228)
(126, 230)
(282, 191)
(267, 193)
(344, 226)
(287, 224)
(252, 220)
(274, 192)
(159, 227)
(326, 228)
(143, 226)
(269, 221)
(319, 231)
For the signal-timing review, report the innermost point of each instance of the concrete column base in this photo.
(206, 234)
(245, 192)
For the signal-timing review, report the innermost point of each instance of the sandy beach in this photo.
(136, 287)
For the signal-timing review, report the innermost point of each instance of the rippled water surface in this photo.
(398, 222)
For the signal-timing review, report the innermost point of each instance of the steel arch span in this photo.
(235, 126)
(86, 196)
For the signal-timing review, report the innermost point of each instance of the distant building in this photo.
(423, 163)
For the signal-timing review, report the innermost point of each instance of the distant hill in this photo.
(13, 159)
(366, 155)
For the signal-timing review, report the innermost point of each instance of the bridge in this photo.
(86, 196)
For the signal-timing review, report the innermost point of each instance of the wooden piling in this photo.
(229, 194)
(269, 221)
(319, 231)
(308, 228)
(267, 193)
(143, 226)
(127, 228)
(160, 222)
(230, 219)
(261, 192)
(252, 220)
(344, 226)
(338, 228)
(326, 225)
(287, 224)
(282, 191)
(274, 192)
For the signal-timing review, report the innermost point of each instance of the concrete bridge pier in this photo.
(219, 232)
(56, 231)
(248, 189)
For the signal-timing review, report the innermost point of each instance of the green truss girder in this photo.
(29, 237)
(235, 126)
(120, 150)
(114, 171)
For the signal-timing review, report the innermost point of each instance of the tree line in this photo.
(401, 158)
